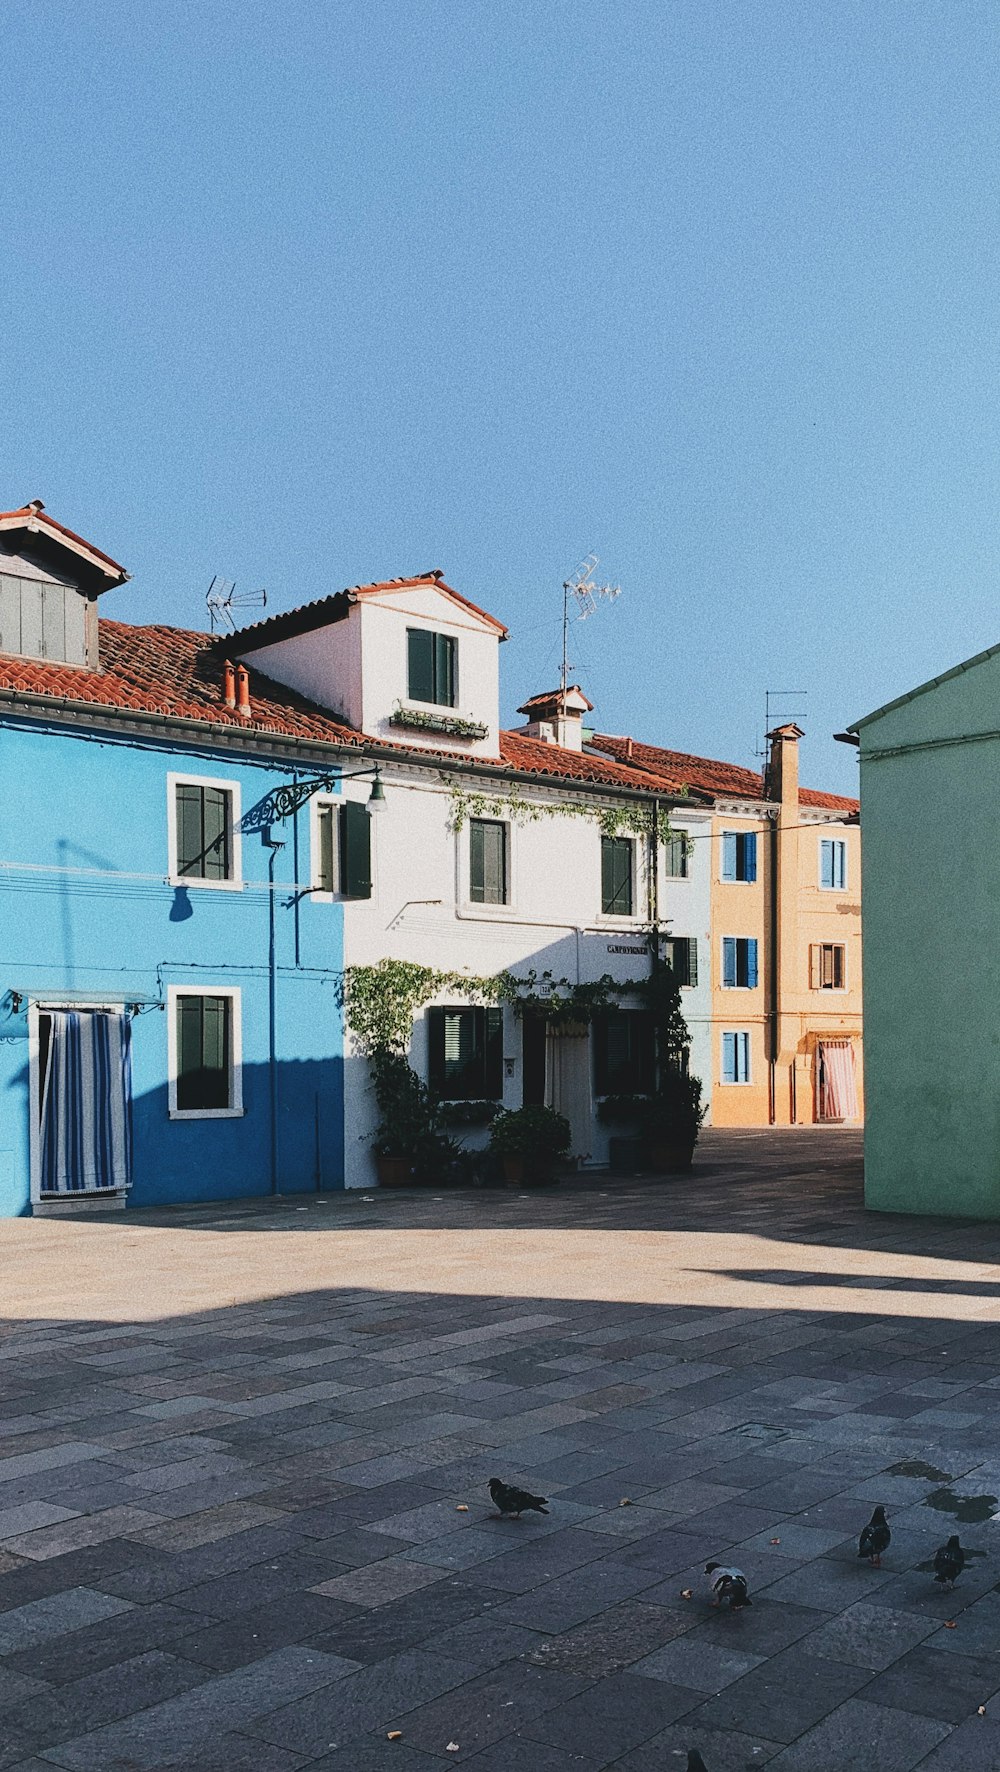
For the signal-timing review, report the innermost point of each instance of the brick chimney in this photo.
(229, 684)
(242, 692)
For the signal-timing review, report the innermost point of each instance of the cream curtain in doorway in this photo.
(567, 1082)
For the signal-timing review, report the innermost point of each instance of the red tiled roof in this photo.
(35, 516)
(678, 770)
(324, 610)
(550, 698)
(174, 672)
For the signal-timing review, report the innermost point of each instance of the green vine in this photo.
(612, 821)
(452, 725)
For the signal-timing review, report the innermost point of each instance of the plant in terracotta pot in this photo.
(531, 1143)
(409, 1143)
(671, 1121)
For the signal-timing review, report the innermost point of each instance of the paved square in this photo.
(244, 1455)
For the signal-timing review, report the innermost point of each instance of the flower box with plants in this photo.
(467, 1113)
(532, 1143)
(449, 725)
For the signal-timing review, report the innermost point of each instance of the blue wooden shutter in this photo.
(355, 850)
(751, 964)
(839, 865)
(729, 960)
(729, 855)
(729, 1058)
(743, 1061)
(749, 855)
(826, 863)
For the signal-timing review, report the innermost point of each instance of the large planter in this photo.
(393, 1171)
(671, 1157)
(513, 1168)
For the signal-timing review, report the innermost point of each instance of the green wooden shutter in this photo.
(355, 850)
(188, 1051)
(420, 664)
(616, 876)
(692, 959)
(189, 844)
(477, 861)
(323, 874)
(444, 670)
(487, 862)
(493, 1055)
(215, 1051)
(599, 1042)
(435, 1051)
(215, 834)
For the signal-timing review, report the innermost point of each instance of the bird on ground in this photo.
(728, 1584)
(695, 1761)
(949, 1561)
(509, 1500)
(875, 1538)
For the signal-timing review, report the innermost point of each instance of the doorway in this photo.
(81, 1102)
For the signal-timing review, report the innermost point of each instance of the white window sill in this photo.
(201, 885)
(205, 1113)
(486, 913)
(623, 925)
(725, 1084)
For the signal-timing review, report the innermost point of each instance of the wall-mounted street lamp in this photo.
(286, 800)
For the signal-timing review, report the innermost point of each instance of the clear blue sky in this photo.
(314, 293)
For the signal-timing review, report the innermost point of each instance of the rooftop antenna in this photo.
(771, 699)
(221, 599)
(584, 591)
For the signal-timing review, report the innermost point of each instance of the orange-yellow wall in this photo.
(808, 915)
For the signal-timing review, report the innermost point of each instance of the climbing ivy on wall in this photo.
(612, 821)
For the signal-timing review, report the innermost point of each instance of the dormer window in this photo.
(432, 667)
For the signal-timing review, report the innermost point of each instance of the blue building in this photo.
(169, 1018)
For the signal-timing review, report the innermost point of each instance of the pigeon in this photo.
(508, 1500)
(728, 1584)
(695, 1761)
(875, 1538)
(949, 1562)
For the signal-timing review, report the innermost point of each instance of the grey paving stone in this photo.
(572, 1598)
(103, 1697)
(104, 1644)
(53, 1615)
(486, 1709)
(728, 1751)
(613, 1715)
(375, 1698)
(784, 1696)
(861, 1734)
(868, 1636)
(972, 1747)
(697, 1661)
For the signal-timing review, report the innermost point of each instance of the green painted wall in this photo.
(931, 934)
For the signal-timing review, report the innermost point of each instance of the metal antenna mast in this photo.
(221, 599)
(585, 593)
(776, 695)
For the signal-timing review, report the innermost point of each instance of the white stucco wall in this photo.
(685, 908)
(384, 621)
(324, 664)
(419, 911)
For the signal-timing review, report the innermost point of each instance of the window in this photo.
(739, 855)
(616, 876)
(828, 968)
(739, 962)
(203, 821)
(487, 861)
(736, 1058)
(205, 1079)
(682, 955)
(675, 854)
(466, 1054)
(342, 849)
(832, 864)
(431, 666)
(624, 1053)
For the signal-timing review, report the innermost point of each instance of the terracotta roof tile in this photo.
(677, 770)
(39, 517)
(324, 610)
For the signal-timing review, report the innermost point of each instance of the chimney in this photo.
(782, 778)
(628, 750)
(229, 684)
(242, 692)
(557, 716)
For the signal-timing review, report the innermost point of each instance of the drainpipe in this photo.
(273, 844)
(774, 979)
(653, 905)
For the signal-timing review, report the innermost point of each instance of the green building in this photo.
(930, 800)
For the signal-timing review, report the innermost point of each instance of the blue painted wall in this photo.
(91, 915)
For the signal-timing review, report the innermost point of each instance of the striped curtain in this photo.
(837, 1083)
(87, 1104)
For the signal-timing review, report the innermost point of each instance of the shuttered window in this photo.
(739, 855)
(827, 966)
(616, 876)
(355, 850)
(487, 862)
(465, 1057)
(832, 864)
(324, 858)
(431, 666)
(204, 1053)
(204, 825)
(624, 1062)
(739, 962)
(736, 1057)
(682, 955)
(675, 854)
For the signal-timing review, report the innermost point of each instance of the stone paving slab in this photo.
(250, 1530)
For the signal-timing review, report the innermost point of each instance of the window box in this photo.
(448, 725)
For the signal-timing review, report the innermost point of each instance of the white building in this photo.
(488, 854)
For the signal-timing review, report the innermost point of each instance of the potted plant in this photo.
(531, 1143)
(409, 1143)
(671, 1121)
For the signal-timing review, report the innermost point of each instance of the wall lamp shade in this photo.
(376, 799)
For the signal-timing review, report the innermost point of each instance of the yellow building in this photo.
(784, 937)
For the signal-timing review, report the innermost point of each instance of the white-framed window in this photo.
(431, 667)
(677, 856)
(205, 1052)
(618, 882)
(736, 1056)
(739, 962)
(203, 832)
(828, 966)
(489, 861)
(832, 864)
(739, 855)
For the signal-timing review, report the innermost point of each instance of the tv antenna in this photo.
(221, 599)
(771, 698)
(582, 593)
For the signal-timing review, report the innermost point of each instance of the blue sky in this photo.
(314, 294)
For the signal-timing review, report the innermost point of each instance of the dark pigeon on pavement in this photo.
(509, 1500)
(875, 1538)
(729, 1584)
(949, 1561)
(695, 1761)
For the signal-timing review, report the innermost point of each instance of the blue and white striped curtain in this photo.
(87, 1104)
